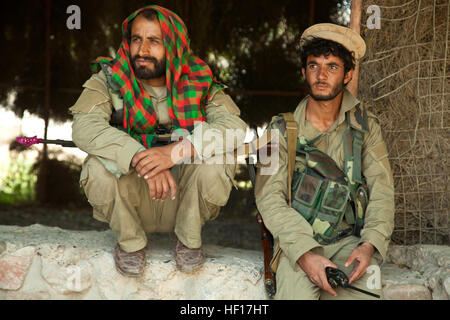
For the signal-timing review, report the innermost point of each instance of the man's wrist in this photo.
(182, 150)
(369, 246)
(304, 257)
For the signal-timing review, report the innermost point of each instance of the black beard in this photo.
(145, 73)
(334, 92)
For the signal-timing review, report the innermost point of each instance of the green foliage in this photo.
(24, 183)
(18, 185)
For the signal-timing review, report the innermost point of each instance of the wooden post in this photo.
(43, 194)
(186, 12)
(355, 24)
(312, 12)
(48, 61)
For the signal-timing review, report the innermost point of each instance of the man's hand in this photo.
(361, 254)
(150, 162)
(160, 185)
(314, 266)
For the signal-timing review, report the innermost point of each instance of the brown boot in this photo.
(188, 260)
(129, 264)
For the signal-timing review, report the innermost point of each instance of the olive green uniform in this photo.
(122, 199)
(294, 235)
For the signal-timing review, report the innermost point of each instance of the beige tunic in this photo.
(119, 197)
(92, 133)
(292, 233)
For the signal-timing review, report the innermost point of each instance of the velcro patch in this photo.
(87, 101)
(221, 99)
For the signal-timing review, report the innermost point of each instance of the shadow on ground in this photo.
(227, 230)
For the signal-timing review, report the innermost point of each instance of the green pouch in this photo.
(336, 197)
(331, 211)
(306, 193)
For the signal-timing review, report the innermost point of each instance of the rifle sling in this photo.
(291, 132)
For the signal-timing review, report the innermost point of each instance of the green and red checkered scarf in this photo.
(188, 80)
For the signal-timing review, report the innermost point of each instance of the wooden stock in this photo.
(266, 242)
(267, 245)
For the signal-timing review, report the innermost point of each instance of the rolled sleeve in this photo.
(126, 154)
(92, 133)
(303, 244)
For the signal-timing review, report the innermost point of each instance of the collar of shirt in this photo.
(348, 103)
(158, 93)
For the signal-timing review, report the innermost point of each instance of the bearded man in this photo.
(133, 178)
(335, 206)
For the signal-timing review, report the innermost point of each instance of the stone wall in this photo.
(418, 272)
(40, 262)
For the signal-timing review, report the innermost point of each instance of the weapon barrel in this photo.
(64, 143)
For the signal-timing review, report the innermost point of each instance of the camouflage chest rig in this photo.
(318, 189)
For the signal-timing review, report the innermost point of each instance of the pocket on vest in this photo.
(305, 194)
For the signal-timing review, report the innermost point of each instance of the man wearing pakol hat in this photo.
(331, 201)
(131, 107)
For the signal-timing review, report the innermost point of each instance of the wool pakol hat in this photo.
(347, 37)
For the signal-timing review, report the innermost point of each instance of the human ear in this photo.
(348, 76)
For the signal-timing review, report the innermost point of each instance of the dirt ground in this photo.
(71, 219)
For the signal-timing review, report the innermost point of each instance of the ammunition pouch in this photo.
(325, 203)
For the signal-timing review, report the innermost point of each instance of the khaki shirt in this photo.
(93, 134)
(292, 233)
